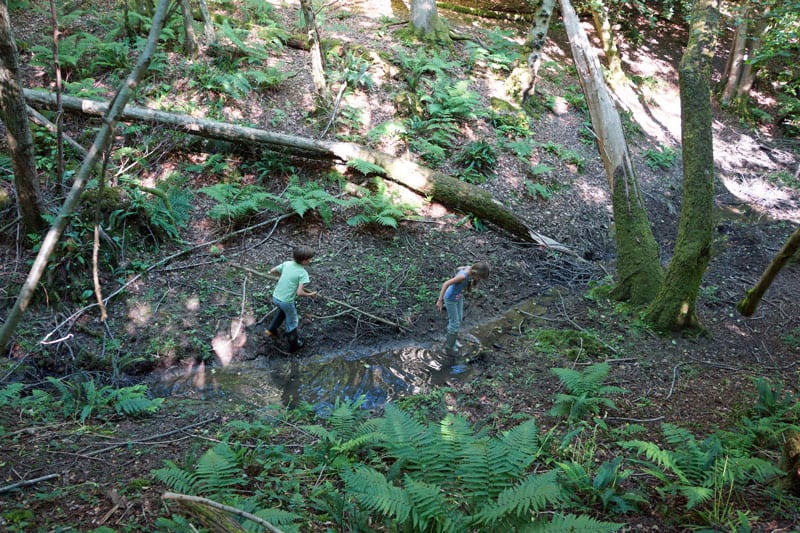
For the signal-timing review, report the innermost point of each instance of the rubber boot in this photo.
(277, 320)
(450, 344)
(294, 341)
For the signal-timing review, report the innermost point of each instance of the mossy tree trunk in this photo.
(425, 22)
(639, 272)
(18, 133)
(608, 40)
(675, 305)
(542, 13)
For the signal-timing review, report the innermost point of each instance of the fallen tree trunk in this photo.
(445, 189)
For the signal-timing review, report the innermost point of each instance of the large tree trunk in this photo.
(639, 269)
(749, 303)
(602, 25)
(190, 46)
(537, 36)
(315, 46)
(736, 57)
(81, 177)
(18, 132)
(441, 187)
(425, 21)
(675, 306)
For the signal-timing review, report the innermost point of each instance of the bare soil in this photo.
(207, 309)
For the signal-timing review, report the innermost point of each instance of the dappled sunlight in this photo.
(140, 314)
(228, 344)
(593, 194)
(192, 303)
(374, 8)
(736, 330)
(764, 197)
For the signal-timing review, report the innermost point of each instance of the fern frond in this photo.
(430, 510)
(365, 167)
(573, 524)
(176, 478)
(532, 495)
(217, 471)
(372, 490)
(695, 495)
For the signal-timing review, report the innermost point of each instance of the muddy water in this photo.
(319, 380)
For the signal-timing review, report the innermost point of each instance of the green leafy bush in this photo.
(660, 158)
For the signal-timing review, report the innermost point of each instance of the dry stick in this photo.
(212, 503)
(27, 482)
(55, 232)
(156, 265)
(334, 300)
(151, 437)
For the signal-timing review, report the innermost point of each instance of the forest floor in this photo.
(205, 309)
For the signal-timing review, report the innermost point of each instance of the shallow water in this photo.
(321, 380)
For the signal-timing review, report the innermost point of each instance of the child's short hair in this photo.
(302, 253)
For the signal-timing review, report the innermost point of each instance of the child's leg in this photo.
(291, 316)
(277, 320)
(455, 311)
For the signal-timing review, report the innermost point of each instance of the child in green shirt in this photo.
(291, 284)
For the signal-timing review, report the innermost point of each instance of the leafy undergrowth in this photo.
(574, 415)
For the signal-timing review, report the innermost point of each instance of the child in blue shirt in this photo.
(451, 296)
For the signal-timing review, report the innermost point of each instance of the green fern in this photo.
(446, 99)
(217, 474)
(365, 167)
(236, 202)
(700, 470)
(378, 208)
(586, 392)
(573, 524)
(311, 196)
(446, 477)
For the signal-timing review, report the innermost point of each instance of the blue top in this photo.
(454, 291)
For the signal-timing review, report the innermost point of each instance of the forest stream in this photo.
(319, 379)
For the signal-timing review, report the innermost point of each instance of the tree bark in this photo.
(442, 188)
(190, 46)
(208, 24)
(425, 22)
(675, 305)
(537, 36)
(314, 45)
(18, 132)
(81, 177)
(639, 269)
(733, 68)
(602, 25)
(748, 304)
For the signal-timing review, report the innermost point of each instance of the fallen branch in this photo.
(334, 300)
(26, 482)
(188, 499)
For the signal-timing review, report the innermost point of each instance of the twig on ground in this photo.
(330, 299)
(26, 482)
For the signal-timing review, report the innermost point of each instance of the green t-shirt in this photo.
(292, 275)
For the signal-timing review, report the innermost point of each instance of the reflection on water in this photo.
(377, 378)
(319, 381)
